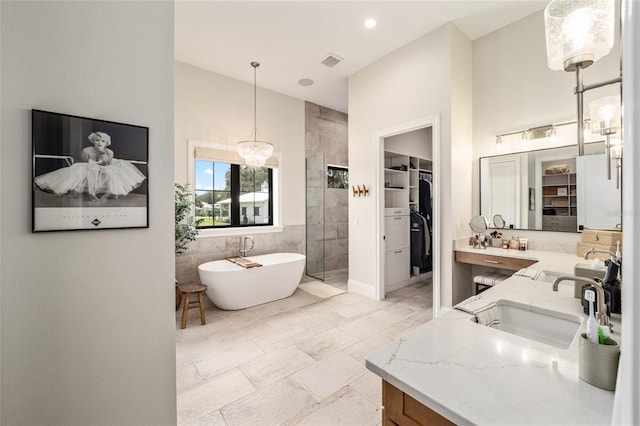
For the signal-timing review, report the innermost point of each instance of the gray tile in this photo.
(282, 338)
(329, 374)
(187, 376)
(226, 356)
(272, 405)
(370, 386)
(212, 419)
(212, 395)
(348, 409)
(269, 368)
(326, 343)
(359, 350)
(293, 386)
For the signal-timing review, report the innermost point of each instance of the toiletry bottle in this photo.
(618, 254)
(592, 325)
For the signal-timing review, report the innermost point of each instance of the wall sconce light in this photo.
(606, 121)
(578, 33)
(616, 153)
(499, 142)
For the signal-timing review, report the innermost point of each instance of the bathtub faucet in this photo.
(244, 247)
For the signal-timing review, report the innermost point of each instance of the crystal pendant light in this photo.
(255, 152)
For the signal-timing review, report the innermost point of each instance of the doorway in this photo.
(433, 124)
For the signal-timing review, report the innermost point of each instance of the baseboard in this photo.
(397, 285)
(362, 289)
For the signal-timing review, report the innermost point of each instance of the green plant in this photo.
(186, 226)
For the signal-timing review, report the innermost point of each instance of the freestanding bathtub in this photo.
(233, 287)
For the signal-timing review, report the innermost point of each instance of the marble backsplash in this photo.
(206, 249)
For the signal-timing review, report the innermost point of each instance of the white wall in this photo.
(417, 143)
(513, 89)
(88, 325)
(411, 83)
(214, 108)
(628, 391)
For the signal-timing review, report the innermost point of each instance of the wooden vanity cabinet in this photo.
(501, 262)
(402, 410)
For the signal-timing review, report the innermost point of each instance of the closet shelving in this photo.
(402, 174)
(559, 200)
(401, 179)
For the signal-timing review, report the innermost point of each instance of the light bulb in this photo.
(607, 112)
(577, 25)
(616, 148)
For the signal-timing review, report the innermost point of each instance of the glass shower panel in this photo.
(315, 185)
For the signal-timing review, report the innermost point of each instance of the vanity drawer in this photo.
(502, 262)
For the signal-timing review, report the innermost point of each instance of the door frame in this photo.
(432, 121)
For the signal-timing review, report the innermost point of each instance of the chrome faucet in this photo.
(612, 254)
(243, 245)
(601, 316)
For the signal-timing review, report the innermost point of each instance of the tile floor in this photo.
(294, 361)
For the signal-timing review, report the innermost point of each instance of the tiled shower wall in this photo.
(290, 240)
(326, 133)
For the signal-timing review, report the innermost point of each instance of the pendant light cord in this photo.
(255, 66)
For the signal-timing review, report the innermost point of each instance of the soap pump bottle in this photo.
(592, 325)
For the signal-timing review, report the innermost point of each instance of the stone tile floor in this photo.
(294, 361)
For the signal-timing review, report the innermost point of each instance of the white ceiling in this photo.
(290, 38)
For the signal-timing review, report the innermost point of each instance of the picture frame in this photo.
(88, 174)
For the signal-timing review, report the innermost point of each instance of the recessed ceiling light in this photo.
(370, 23)
(305, 82)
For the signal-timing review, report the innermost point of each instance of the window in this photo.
(232, 195)
(337, 177)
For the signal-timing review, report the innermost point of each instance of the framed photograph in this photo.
(88, 173)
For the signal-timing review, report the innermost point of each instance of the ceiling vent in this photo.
(331, 60)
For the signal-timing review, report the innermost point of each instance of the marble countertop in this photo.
(474, 374)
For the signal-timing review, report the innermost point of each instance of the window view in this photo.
(229, 195)
(337, 177)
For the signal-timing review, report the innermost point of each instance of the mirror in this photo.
(550, 190)
(479, 224)
(498, 221)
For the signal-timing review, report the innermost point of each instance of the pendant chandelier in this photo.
(255, 152)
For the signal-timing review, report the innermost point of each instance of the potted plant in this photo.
(186, 225)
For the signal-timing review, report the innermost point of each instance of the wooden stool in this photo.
(187, 290)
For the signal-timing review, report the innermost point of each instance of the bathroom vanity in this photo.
(454, 370)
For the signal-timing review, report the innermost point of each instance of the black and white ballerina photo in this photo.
(88, 169)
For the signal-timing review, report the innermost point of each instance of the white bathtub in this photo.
(232, 287)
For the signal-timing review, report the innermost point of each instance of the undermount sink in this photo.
(542, 325)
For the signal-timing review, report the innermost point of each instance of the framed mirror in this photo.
(551, 190)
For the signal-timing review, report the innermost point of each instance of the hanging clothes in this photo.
(425, 207)
(420, 242)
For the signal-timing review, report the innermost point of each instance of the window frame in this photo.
(275, 199)
(236, 210)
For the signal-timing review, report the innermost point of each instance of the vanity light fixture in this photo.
(255, 152)
(606, 121)
(546, 131)
(578, 33)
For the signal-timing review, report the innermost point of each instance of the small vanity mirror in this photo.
(479, 224)
(498, 221)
